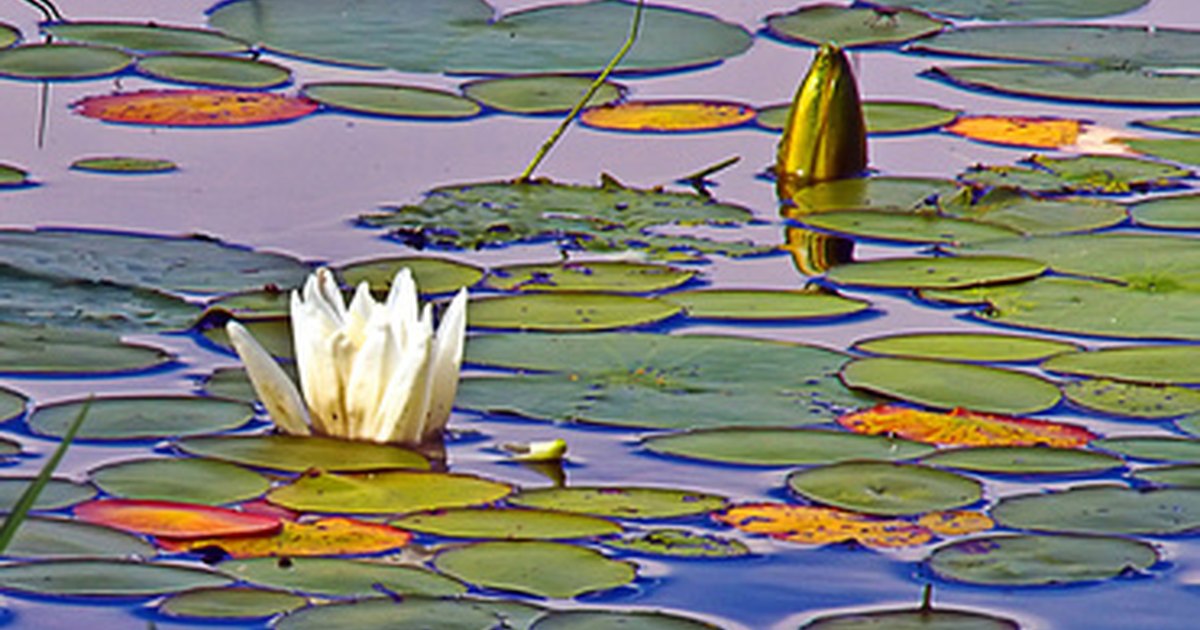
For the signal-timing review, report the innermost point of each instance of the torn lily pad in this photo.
(1185, 151)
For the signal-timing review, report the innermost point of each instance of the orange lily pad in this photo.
(956, 522)
(1023, 131)
(322, 537)
(812, 525)
(961, 427)
(667, 116)
(177, 520)
(195, 108)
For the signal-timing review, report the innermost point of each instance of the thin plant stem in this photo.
(47, 9)
(544, 150)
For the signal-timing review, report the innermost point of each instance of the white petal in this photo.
(445, 364)
(312, 332)
(322, 289)
(399, 417)
(271, 383)
(360, 314)
(367, 380)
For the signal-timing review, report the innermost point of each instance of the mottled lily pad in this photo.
(214, 70)
(567, 311)
(1023, 460)
(200, 481)
(41, 312)
(667, 116)
(1104, 174)
(1153, 447)
(506, 523)
(912, 619)
(209, 107)
(545, 569)
(124, 165)
(58, 493)
(142, 418)
(1131, 86)
(1008, 560)
(432, 275)
(946, 385)
(392, 491)
(963, 427)
(884, 489)
(1133, 399)
(783, 447)
(961, 346)
(47, 62)
(342, 577)
(297, 454)
(850, 27)
(678, 543)
(148, 37)
(105, 578)
(13, 177)
(905, 227)
(1033, 215)
(620, 502)
(229, 603)
(750, 304)
(935, 273)
(615, 620)
(1103, 510)
(1106, 45)
(813, 525)
(1179, 212)
(59, 538)
(392, 100)
(1157, 364)
(539, 93)
(385, 613)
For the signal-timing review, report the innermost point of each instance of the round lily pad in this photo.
(214, 70)
(432, 275)
(881, 117)
(1023, 460)
(200, 107)
(959, 346)
(1132, 399)
(506, 523)
(912, 619)
(783, 447)
(229, 603)
(885, 489)
(1074, 83)
(142, 418)
(539, 93)
(905, 227)
(678, 543)
(1157, 364)
(1179, 475)
(200, 481)
(1153, 447)
(581, 619)
(56, 494)
(1103, 510)
(605, 276)
(1018, 11)
(124, 165)
(620, 502)
(342, 577)
(1008, 560)
(57, 538)
(392, 491)
(299, 453)
(545, 569)
(667, 116)
(12, 404)
(750, 304)
(1178, 212)
(149, 37)
(386, 99)
(1106, 45)
(935, 273)
(1030, 215)
(9, 35)
(946, 385)
(850, 27)
(380, 613)
(12, 177)
(105, 578)
(47, 62)
(567, 311)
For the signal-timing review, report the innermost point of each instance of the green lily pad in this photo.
(544, 569)
(12, 404)
(273, 333)
(389, 491)
(214, 70)
(506, 523)
(1133, 399)
(872, 193)
(1178, 124)
(1103, 510)
(850, 27)
(607, 276)
(149, 37)
(105, 578)
(12, 177)
(1105, 174)
(945, 385)
(1092, 84)
(1024, 179)
(411, 612)
(185, 265)
(881, 117)
(141, 417)
(300, 453)
(123, 165)
(678, 543)
(232, 383)
(467, 37)
(229, 603)
(616, 620)
(884, 489)
(1106, 45)
(1153, 447)
(1186, 151)
(1189, 425)
(1018, 11)
(58, 493)
(660, 381)
(783, 447)
(48, 62)
(540, 93)
(1180, 475)
(1032, 215)
(9, 35)
(58, 538)
(912, 619)
(1023, 460)
(392, 100)
(935, 273)
(750, 304)
(620, 502)
(905, 227)
(200, 481)
(342, 577)
(432, 275)
(263, 303)
(1158, 364)
(40, 312)
(960, 346)
(1178, 212)
(1008, 560)
(567, 311)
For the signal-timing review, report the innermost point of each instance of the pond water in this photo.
(296, 188)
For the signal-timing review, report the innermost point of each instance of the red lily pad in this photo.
(175, 520)
(323, 537)
(195, 108)
(961, 427)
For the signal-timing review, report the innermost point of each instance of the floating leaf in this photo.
(578, 619)
(620, 502)
(1132, 399)
(904, 227)
(214, 70)
(322, 537)
(467, 37)
(750, 304)
(12, 404)
(923, 618)
(173, 519)
(105, 578)
(1023, 131)
(1179, 212)
(388, 491)
(58, 493)
(1023, 460)
(946, 385)
(186, 480)
(12, 177)
(1181, 475)
(1019, 11)
(907, 194)
(120, 164)
(411, 612)
(274, 333)
(607, 276)
(540, 93)
(567, 311)
(811, 525)
(342, 577)
(667, 116)
(195, 108)
(1159, 364)
(935, 273)
(850, 27)
(1131, 86)
(58, 538)
(1103, 510)
(1185, 151)
(1016, 210)
(142, 418)
(884, 489)
(1019, 560)
(229, 603)
(544, 569)
(961, 427)
(960, 346)
(1153, 447)
(956, 522)
(782, 447)
(880, 116)
(148, 37)
(506, 523)
(81, 319)
(1178, 124)
(392, 100)
(432, 275)
(47, 62)
(678, 543)
(299, 453)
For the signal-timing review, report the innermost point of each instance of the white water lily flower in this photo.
(368, 371)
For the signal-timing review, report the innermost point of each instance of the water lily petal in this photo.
(368, 378)
(401, 305)
(445, 364)
(276, 391)
(398, 414)
(312, 333)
